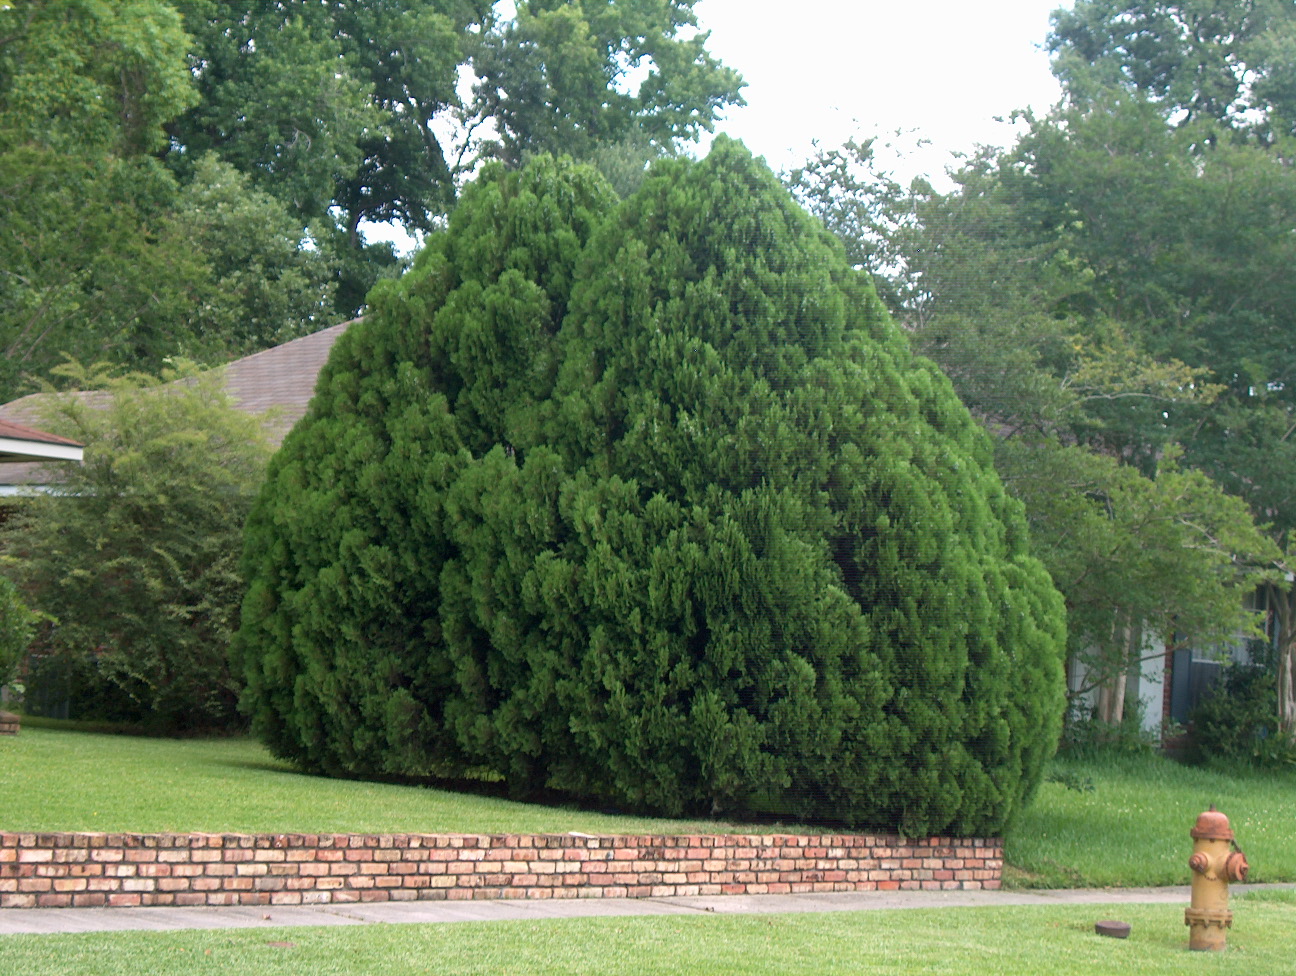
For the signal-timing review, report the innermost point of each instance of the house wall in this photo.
(128, 870)
(1145, 685)
(1148, 686)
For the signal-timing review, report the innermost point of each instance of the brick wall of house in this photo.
(90, 870)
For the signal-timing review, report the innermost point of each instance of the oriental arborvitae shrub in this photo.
(651, 504)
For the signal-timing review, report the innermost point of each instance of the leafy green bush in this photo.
(1086, 736)
(134, 556)
(17, 627)
(652, 506)
(1237, 719)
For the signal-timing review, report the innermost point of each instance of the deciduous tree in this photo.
(134, 556)
(997, 288)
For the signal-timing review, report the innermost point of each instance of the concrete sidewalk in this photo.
(62, 920)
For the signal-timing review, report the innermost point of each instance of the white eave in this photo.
(19, 449)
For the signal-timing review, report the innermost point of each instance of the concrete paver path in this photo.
(63, 920)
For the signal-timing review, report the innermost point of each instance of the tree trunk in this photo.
(1111, 699)
(1284, 604)
(1111, 693)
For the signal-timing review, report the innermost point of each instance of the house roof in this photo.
(19, 442)
(281, 379)
(276, 382)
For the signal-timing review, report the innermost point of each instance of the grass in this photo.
(1006, 941)
(53, 780)
(1132, 829)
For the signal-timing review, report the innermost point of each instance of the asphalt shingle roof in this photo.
(278, 381)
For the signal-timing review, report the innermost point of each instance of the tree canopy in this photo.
(1111, 296)
(196, 178)
(1197, 60)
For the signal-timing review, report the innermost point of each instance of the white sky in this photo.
(829, 70)
(833, 69)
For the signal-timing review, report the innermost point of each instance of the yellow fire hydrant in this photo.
(1216, 860)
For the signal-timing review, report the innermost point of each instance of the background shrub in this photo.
(133, 559)
(1237, 718)
(17, 627)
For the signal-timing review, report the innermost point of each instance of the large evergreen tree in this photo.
(651, 505)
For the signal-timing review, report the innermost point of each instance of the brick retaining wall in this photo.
(91, 870)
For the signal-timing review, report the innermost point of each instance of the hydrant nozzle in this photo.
(1216, 860)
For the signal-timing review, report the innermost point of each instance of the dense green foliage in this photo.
(652, 506)
(1167, 172)
(133, 560)
(1003, 294)
(1233, 63)
(17, 627)
(104, 256)
(1112, 297)
(1237, 720)
(197, 178)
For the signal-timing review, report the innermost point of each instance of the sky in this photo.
(828, 70)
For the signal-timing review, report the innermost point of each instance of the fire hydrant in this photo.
(1216, 860)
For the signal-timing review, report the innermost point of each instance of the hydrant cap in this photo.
(1212, 825)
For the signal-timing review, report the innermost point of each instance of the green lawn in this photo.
(957, 941)
(1132, 829)
(60, 780)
